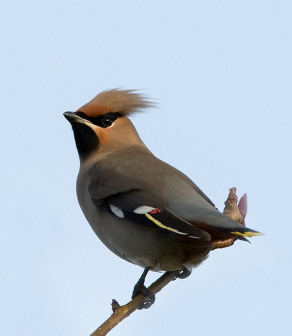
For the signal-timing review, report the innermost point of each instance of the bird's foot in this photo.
(184, 273)
(141, 289)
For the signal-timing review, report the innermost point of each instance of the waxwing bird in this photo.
(141, 208)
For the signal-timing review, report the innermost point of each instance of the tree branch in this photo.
(121, 312)
(232, 210)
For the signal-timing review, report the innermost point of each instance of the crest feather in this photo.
(125, 102)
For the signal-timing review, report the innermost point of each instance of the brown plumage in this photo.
(126, 102)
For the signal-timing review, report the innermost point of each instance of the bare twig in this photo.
(121, 312)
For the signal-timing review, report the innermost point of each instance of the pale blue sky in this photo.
(221, 73)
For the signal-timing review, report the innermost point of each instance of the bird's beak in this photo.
(74, 118)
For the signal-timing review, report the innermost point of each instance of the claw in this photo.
(184, 273)
(141, 289)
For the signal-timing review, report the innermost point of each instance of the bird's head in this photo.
(102, 125)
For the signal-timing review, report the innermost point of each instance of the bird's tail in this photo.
(243, 231)
(223, 228)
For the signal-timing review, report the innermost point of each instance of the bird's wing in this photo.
(137, 186)
(134, 192)
(149, 209)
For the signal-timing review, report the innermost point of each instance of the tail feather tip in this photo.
(248, 233)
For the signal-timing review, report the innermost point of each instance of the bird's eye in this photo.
(106, 122)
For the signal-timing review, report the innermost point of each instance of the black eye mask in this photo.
(104, 120)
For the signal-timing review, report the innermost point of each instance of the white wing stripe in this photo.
(117, 211)
(143, 209)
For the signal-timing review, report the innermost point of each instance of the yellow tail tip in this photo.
(247, 233)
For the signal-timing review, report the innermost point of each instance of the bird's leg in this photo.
(141, 289)
(184, 273)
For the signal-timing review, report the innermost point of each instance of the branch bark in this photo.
(121, 312)
(232, 210)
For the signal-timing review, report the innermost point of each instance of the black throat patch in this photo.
(85, 138)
